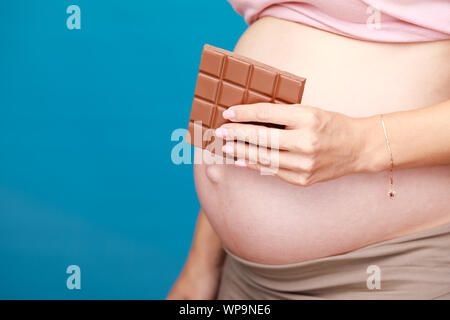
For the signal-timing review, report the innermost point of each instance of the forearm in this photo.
(417, 138)
(206, 250)
(200, 277)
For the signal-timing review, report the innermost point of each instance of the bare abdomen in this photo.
(263, 219)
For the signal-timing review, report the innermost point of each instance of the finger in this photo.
(282, 114)
(268, 157)
(251, 153)
(254, 134)
(287, 175)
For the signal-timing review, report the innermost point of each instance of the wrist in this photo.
(372, 153)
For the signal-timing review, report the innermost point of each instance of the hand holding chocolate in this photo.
(226, 79)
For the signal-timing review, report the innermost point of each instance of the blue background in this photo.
(86, 116)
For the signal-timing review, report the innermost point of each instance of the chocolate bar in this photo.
(226, 79)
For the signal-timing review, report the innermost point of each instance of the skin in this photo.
(201, 272)
(337, 128)
(200, 276)
(319, 145)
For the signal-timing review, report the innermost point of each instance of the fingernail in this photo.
(221, 132)
(240, 163)
(228, 148)
(228, 114)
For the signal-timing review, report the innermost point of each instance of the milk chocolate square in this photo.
(226, 79)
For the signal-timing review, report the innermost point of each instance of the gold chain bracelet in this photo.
(391, 192)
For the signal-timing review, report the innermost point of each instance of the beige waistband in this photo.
(416, 266)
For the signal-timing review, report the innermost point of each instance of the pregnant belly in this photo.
(266, 220)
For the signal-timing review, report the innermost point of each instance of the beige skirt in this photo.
(413, 267)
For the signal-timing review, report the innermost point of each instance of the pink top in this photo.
(373, 20)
